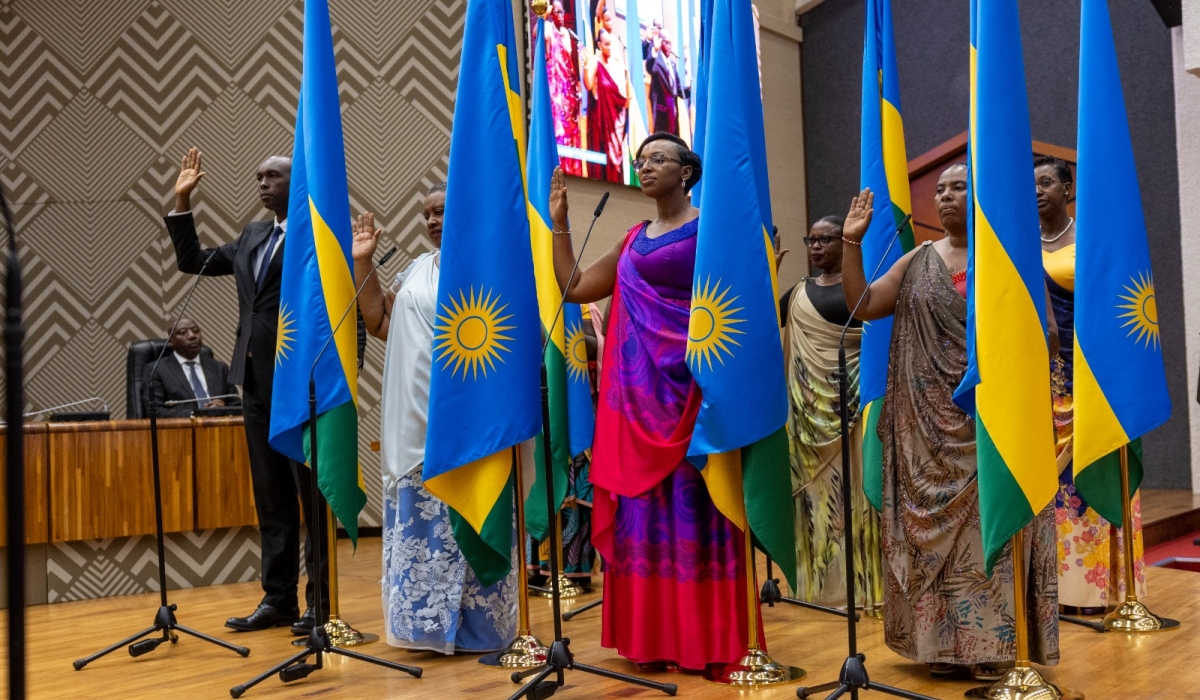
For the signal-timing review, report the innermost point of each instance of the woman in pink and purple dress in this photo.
(674, 583)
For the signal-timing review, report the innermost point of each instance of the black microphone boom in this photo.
(164, 619)
(14, 396)
(853, 676)
(296, 666)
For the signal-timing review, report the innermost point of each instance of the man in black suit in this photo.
(255, 259)
(186, 376)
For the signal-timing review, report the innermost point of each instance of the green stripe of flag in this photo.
(337, 464)
(872, 455)
(767, 482)
(489, 551)
(536, 520)
(1100, 482)
(1003, 508)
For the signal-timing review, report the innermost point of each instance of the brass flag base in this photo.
(755, 668)
(1134, 616)
(1022, 683)
(341, 634)
(525, 651)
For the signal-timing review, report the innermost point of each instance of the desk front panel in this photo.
(37, 500)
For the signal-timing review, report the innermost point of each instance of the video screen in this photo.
(619, 70)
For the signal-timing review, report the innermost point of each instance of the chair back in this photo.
(142, 354)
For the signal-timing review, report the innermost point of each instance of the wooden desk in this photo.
(102, 482)
(224, 493)
(95, 480)
(37, 490)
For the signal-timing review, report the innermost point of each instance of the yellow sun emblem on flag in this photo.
(472, 333)
(577, 359)
(1142, 311)
(711, 325)
(285, 335)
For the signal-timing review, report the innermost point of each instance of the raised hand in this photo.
(558, 200)
(366, 237)
(777, 244)
(858, 219)
(189, 176)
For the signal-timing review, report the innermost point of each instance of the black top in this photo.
(830, 302)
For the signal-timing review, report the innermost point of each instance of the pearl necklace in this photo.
(1070, 221)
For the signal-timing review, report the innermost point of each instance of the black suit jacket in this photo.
(170, 383)
(258, 310)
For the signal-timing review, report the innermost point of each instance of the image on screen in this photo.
(619, 70)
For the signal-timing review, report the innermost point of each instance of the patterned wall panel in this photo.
(98, 102)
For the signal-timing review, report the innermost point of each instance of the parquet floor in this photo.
(1103, 666)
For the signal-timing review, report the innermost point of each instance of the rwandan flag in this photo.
(484, 389)
(1120, 383)
(1014, 428)
(318, 287)
(572, 418)
(883, 168)
(734, 349)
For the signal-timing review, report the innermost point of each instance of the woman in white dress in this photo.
(431, 597)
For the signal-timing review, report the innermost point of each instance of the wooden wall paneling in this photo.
(37, 488)
(925, 169)
(102, 484)
(224, 493)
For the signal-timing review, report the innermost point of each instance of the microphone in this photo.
(562, 302)
(862, 297)
(386, 256)
(68, 405)
(178, 402)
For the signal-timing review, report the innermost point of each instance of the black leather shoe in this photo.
(264, 617)
(306, 622)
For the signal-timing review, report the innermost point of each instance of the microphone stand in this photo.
(14, 396)
(296, 667)
(164, 619)
(68, 405)
(853, 676)
(560, 660)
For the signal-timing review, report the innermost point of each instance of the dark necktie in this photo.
(197, 387)
(266, 260)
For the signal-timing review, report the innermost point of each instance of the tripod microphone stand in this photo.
(771, 594)
(164, 619)
(14, 397)
(853, 676)
(296, 666)
(560, 659)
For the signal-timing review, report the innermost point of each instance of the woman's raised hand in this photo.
(858, 219)
(366, 237)
(558, 200)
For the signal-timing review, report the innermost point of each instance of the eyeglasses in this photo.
(1046, 183)
(823, 241)
(657, 160)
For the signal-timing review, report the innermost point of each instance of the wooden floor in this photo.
(1102, 666)
(1168, 514)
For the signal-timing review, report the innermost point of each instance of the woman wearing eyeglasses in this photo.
(940, 605)
(814, 319)
(674, 582)
(1091, 573)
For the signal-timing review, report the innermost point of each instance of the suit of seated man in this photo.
(184, 376)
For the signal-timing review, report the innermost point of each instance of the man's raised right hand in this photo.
(189, 177)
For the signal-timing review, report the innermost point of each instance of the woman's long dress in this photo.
(815, 318)
(607, 110)
(1091, 551)
(674, 582)
(431, 597)
(939, 605)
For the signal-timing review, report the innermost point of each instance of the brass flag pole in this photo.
(1132, 615)
(524, 651)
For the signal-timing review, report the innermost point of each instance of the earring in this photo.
(683, 183)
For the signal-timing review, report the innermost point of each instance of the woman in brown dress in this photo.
(940, 607)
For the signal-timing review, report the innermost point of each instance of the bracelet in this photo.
(857, 243)
(561, 233)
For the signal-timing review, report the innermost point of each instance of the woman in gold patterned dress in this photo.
(1091, 554)
(939, 605)
(814, 319)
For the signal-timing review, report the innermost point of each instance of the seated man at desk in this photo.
(184, 375)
